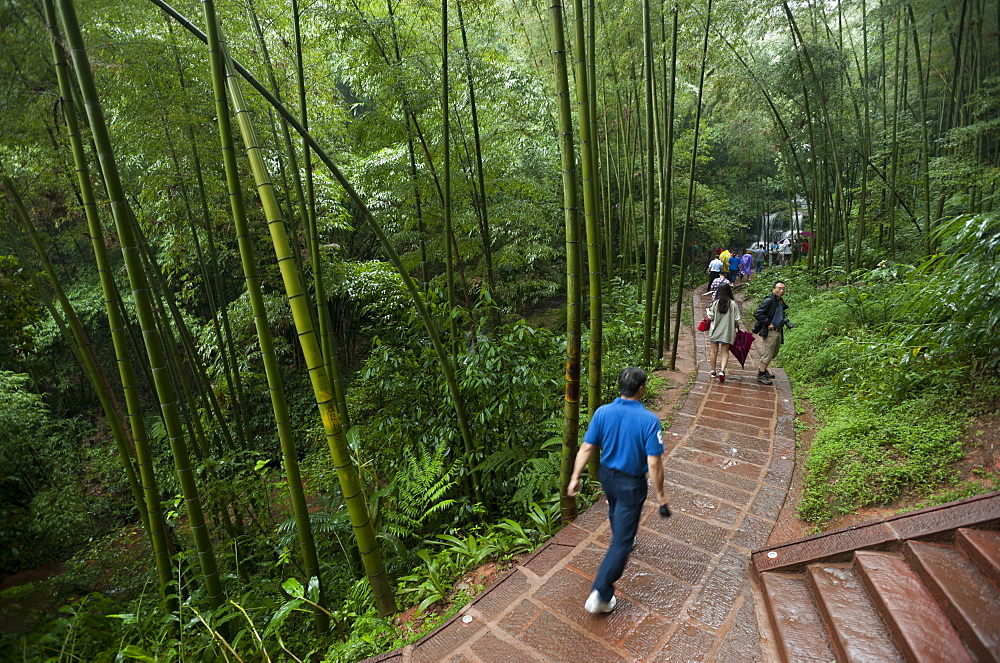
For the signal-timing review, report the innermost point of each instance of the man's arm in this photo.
(656, 474)
(582, 458)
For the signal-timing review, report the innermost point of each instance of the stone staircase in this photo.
(924, 586)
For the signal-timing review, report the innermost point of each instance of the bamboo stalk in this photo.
(140, 291)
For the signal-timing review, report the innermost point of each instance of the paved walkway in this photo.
(685, 595)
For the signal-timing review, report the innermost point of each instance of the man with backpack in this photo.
(771, 322)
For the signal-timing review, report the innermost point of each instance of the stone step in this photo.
(968, 598)
(798, 626)
(918, 624)
(859, 635)
(982, 546)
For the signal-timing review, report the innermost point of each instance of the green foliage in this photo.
(882, 340)
(546, 518)
(432, 582)
(622, 341)
(471, 550)
(41, 500)
(886, 390)
(863, 456)
(510, 383)
(513, 538)
(18, 309)
(83, 631)
(953, 313)
(420, 491)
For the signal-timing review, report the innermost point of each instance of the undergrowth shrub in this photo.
(865, 456)
(895, 360)
(412, 453)
(622, 336)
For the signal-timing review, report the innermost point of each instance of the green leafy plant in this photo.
(864, 457)
(471, 550)
(547, 518)
(422, 490)
(429, 583)
(514, 539)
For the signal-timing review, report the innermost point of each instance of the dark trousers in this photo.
(711, 278)
(626, 494)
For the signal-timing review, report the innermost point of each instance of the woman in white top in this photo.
(725, 316)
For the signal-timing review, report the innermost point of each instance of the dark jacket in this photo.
(765, 313)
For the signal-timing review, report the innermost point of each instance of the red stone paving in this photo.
(685, 595)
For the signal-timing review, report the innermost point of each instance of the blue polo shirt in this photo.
(626, 432)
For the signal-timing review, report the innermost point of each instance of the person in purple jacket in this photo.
(746, 266)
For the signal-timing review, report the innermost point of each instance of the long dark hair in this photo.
(724, 296)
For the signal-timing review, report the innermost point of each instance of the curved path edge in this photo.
(686, 593)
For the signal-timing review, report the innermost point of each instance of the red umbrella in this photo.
(741, 346)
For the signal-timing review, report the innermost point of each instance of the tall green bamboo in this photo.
(430, 326)
(272, 369)
(650, 174)
(925, 175)
(140, 292)
(831, 142)
(217, 310)
(479, 191)
(449, 231)
(161, 544)
(353, 495)
(330, 355)
(588, 167)
(411, 153)
(689, 209)
(667, 191)
(571, 404)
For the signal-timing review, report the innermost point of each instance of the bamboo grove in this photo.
(350, 205)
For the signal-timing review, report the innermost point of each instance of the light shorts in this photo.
(771, 345)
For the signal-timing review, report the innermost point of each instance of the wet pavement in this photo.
(686, 594)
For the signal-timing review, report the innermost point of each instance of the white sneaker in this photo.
(594, 603)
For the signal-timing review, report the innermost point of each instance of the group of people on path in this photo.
(734, 268)
(783, 252)
(629, 438)
(770, 323)
(731, 267)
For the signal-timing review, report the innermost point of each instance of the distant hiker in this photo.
(805, 248)
(714, 269)
(785, 249)
(734, 266)
(725, 316)
(630, 439)
(714, 288)
(746, 266)
(774, 253)
(758, 258)
(724, 256)
(771, 321)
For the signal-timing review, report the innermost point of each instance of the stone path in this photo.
(685, 595)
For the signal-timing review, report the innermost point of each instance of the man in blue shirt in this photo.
(629, 437)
